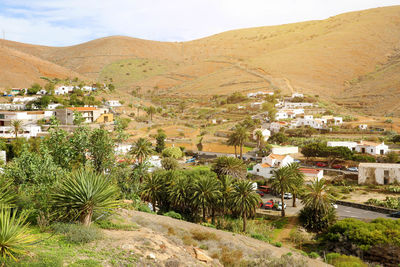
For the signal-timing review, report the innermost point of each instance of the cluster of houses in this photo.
(59, 90)
(274, 161)
(365, 147)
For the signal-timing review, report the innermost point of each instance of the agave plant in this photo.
(7, 196)
(14, 234)
(85, 192)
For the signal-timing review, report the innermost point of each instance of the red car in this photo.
(321, 164)
(264, 188)
(260, 193)
(337, 166)
(269, 204)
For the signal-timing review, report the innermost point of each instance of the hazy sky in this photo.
(68, 22)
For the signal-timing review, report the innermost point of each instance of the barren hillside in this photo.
(317, 57)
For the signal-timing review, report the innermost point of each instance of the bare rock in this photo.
(201, 256)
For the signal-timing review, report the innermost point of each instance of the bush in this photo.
(105, 224)
(339, 260)
(313, 255)
(169, 164)
(260, 237)
(172, 152)
(76, 233)
(315, 220)
(363, 158)
(278, 244)
(201, 235)
(280, 223)
(143, 207)
(174, 215)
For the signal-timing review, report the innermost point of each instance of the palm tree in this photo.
(180, 192)
(318, 213)
(229, 166)
(233, 141)
(17, 127)
(242, 136)
(151, 189)
(141, 149)
(14, 235)
(86, 192)
(260, 138)
(317, 196)
(151, 111)
(226, 187)
(297, 179)
(206, 193)
(282, 182)
(244, 199)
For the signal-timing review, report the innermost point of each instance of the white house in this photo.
(53, 106)
(24, 100)
(265, 133)
(154, 162)
(12, 106)
(276, 126)
(281, 115)
(372, 148)
(294, 95)
(313, 123)
(269, 163)
(308, 117)
(337, 120)
(257, 104)
(297, 104)
(378, 173)
(87, 88)
(363, 126)
(259, 93)
(41, 92)
(312, 173)
(27, 131)
(350, 145)
(121, 149)
(284, 150)
(62, 90)
(113, 103)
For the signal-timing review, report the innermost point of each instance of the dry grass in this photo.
(201, 235)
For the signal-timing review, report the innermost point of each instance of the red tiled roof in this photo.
(82, 108)
(275, 156)
(265, 165)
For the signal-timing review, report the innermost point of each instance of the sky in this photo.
(69, 22)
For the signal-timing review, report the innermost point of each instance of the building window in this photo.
(258, 170)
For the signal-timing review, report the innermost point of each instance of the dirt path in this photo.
(284, 235)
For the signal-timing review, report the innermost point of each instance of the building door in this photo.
(363, 150)
(382, 151)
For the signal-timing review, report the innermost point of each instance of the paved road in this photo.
(342, 211)
(350, 212)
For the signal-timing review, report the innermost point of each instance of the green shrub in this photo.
(313, 255)
(41, 260)
(260, 237)
(143, 207)
(76, 233)
(105, 224)
(363, 158)
(174, 215)
(278, 244)
(339, 260)
(209, 225)
(172, 152)
(280, 223)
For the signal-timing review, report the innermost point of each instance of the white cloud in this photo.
(67, 22)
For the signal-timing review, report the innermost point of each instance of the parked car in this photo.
(269, 204)
(395, 214)
(191, 160)
(288, 196)
(321, 164)
(260, 193)
(337, 166)
(297, 161)
(279, 207)
(264, 188)
(352, 169)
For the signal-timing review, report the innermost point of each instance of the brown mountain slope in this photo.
(317, 57)
(21, 69)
